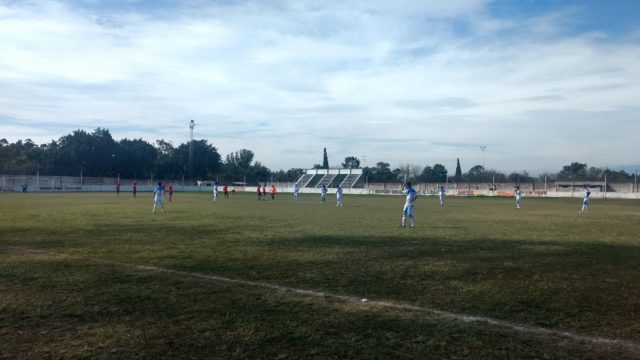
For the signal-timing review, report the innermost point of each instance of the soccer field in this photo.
(98, 275)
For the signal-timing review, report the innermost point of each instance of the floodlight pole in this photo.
(483, 148)
(192, 124)
(113, 156)
(635, 180)
(364, 161)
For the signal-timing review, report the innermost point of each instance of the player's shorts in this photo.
(159, 201)
(408, 210)
(585, 201)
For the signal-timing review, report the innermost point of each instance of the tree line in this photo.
(437, 173)
(97, 154)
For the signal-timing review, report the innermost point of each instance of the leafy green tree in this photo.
(351, 162)
(408, 172)
(94, 154)
(494, 176)
(617, 176)
(136, 158)
(474, 174)
(240, 159)
(381, 173)
(439, 173)
(573, 171)
(427, 174)
(20, 157)
(206, 161)
(239, 166)
(258, 172)
(166, 161)
(293, 174)
(595, 173)
(519, 177)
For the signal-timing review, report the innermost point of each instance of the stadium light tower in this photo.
(364, 161)
(483, 148)
(192, 124)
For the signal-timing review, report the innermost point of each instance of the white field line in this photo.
(629, 346)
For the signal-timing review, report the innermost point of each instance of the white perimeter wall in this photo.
(73, 184)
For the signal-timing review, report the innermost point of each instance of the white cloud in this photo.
(358, 77)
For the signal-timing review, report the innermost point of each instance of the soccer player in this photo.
(411, 196)
(339, 196)
(259, 192)
(225, 191)
(264, 192)
(296, 190)
(273, 192)
(585, 200)
(158, 198)
(215, 192)
(170, 191)
(134, 189)
(518, 197)
(323, 193)
(118, 189)
(442, 193)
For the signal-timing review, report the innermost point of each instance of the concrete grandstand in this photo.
(345, 178)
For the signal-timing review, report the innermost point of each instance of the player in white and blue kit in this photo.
(518, 197)
(585, 200)
(158, 197)
(323, 193)
(296, 190)
(442, 193)
(411, 196)
(215, 191)
(339, 196)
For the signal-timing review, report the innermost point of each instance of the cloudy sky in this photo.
(540, 83)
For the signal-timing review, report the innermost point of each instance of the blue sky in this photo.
(539, 83)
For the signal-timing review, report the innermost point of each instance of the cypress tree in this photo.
(325, 160)
(458, 171)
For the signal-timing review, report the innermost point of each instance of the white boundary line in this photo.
(629, 346)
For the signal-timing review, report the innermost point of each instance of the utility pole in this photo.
(192, 124)
(483, 148)
(364, 161)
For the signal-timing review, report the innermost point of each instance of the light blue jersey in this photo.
(585, 200)
(442, 193)
(158, 193)
(585, 197)
(411, 196)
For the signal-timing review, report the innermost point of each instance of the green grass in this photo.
(544, 265)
